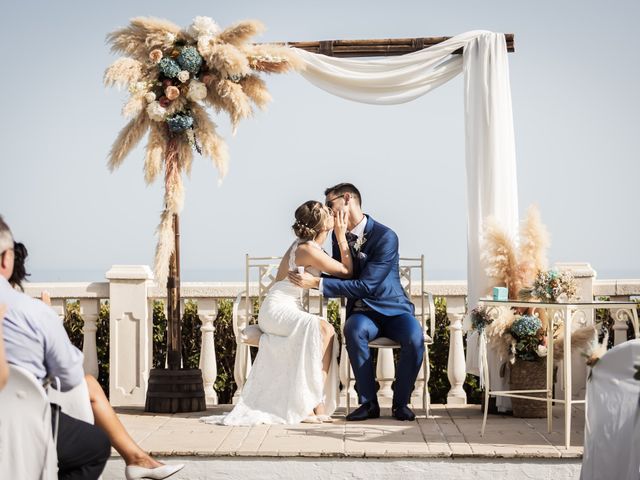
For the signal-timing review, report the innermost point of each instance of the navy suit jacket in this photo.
(376, 277)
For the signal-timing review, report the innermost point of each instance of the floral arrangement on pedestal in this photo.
(551, 286)
(172, 75)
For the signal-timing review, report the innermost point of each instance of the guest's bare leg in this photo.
(108, 421)
(328, 335)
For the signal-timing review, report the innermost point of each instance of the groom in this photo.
(377, 305)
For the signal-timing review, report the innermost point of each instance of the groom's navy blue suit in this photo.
(383, 310)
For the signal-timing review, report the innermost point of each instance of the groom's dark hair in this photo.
(342, 188)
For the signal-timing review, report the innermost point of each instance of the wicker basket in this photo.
(526, 375)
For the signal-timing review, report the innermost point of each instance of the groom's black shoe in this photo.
(364, 412)
(403, 413)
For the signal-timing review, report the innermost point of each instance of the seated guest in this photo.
(36, 340)
(139, 463)
(4, 366)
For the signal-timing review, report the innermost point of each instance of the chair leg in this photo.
(486, 409)
(347, 388)
(426, 400)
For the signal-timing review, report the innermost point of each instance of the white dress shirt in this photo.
(358, 231)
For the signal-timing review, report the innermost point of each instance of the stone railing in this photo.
(131, 292)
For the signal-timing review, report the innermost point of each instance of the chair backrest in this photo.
(612, 425)
(412, 273)
(27, 450)
(76, 402)
(262, 272)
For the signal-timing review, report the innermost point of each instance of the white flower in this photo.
(542, 351)
(183, 76)
(197, 90)
(203, 26)
(156, 111)
(359, 243)
(150, 97)
(170, 37)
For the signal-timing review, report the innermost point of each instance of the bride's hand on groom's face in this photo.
(340, 223)
(304, 280)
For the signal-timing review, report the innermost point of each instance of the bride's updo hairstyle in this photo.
(311, 219)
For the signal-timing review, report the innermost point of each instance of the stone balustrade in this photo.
(131, 291)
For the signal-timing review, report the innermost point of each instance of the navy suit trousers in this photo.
(362, 327)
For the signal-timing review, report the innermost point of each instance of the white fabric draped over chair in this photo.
(490, 146)
(612, 426)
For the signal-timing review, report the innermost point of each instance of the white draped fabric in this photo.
(612, 425)
(490, 147)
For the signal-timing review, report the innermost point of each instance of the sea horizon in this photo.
(237, 275)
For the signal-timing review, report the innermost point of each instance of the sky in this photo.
(574, 82)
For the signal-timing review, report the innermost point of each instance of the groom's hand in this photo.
(304, 280)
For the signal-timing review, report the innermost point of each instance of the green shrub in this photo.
(74, 325)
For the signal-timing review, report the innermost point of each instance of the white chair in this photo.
(612, 425)
(262, 271)
(27, 448)
(407, 267)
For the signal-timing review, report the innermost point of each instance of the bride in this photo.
(294, 377)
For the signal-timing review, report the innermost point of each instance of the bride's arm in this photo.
(316, 258)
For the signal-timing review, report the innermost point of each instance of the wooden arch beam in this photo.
(381, 47)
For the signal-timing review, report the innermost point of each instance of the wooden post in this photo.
(174, 334)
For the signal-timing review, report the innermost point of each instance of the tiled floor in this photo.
(450, 432)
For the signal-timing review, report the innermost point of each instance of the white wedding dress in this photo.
(286, 383)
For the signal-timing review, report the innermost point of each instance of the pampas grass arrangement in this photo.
(514, 266)
(171, 75)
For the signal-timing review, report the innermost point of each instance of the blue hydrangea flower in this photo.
(180, 122)
(525, 326)
(169, 68)
(190, 60)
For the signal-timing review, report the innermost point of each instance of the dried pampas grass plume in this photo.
(142, 35)
(582, 340)
(127, 139)
(165, 247)
(213, 146)
(185, 156)
(500, 256)
(227, 58)
(122, 73)
(534, 242)
(235, 102)
(273, 58)
(256, 89)
(155, 153)
(240, 32)
(134, 106)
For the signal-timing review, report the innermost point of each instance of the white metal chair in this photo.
(407, 267)
(27, 448)
(262, 271)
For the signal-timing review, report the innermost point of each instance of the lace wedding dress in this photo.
(286, 381)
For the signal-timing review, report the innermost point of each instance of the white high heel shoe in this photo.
(134, 472)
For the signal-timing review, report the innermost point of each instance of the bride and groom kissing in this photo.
(294, 377)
